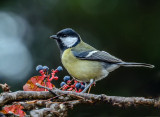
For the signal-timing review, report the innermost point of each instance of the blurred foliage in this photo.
(126, 29)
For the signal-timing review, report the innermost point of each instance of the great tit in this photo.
(85, 63)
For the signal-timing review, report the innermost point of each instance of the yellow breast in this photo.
(83, 70)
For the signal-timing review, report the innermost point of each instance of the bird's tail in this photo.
(132, 64)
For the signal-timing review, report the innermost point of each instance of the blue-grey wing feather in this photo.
(81, 54)
(96, 56)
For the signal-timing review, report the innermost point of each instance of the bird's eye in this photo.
(64, 35)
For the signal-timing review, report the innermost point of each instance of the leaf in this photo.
(31, 84)
(15, 109)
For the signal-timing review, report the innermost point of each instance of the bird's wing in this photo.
(96, 55)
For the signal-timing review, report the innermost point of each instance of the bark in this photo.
(56, 102)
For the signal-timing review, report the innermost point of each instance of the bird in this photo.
(84, 62)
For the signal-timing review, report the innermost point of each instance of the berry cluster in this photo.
(72, 85)
(66, 85)
(43, 70)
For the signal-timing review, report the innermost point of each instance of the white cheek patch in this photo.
(69, 41)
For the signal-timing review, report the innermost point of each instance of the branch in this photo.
(44, 112)
(56, 102)
(48, 107)
(115, 100)
(23, 95)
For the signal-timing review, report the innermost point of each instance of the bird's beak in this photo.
(54, 37)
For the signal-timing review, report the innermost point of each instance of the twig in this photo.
(50, 90)
(5, 87)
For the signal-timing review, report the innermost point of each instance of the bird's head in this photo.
(66, 38)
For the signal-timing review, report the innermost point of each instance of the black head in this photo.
(66, 38)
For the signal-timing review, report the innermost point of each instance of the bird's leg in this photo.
(89, 89)
(91, 82)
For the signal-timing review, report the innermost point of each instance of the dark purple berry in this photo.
(66, 78)
(62, 84)
(82, 87)
(78, 85)
(39, 67)
(59, 68)
(45, 68)
(83, 83)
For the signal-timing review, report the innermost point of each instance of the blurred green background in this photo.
(127, 29)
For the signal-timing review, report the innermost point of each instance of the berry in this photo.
(73, 86)
(69, 81)
(75, 81)
(80, 90)
(45, 68)
(62, 84)
(65, 87)
(41, 72)
(83, 83)
(59, 68)
(39, 67)
(78, 85)
(66, 78)
(55, 78)
(82, 87)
